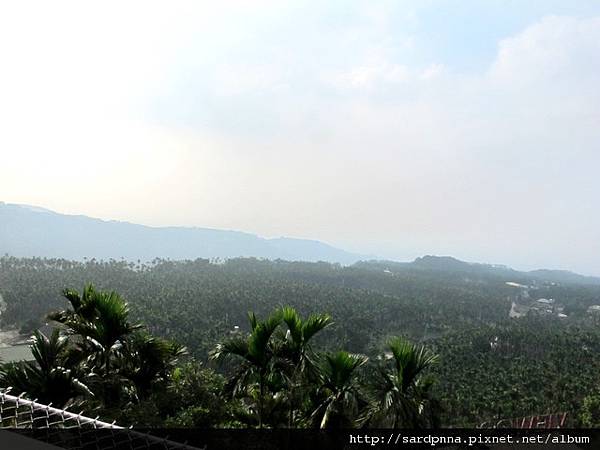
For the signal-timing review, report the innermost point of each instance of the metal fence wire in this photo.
(69, 430)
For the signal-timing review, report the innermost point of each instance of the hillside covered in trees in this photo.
(480, 360)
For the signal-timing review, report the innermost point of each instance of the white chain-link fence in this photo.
(73, 431)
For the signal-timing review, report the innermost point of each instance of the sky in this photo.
(391, 128)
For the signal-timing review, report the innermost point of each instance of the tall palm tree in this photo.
(402, 390)
(297, 349)
(99, 326)
(259, 358)
(46, 378)
(339, 391)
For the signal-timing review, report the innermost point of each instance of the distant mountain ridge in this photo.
(30, 231)
(449, 264)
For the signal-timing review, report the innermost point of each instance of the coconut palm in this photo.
(46, 378)
(258, 353)
(402, 389)
(339, 394)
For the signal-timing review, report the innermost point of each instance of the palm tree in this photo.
(401, 389)
(339, 390)
(99, 326)
(259, 361)
(45, 379)
(100, 320)
(299, 334)
(297, 349)
(147, 360)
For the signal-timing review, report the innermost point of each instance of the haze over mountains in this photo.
(30, 231)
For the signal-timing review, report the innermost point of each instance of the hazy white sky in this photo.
(394, 128)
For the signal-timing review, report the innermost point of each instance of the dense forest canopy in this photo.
(489, 365)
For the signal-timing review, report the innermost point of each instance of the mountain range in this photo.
(31, 231)
(28, 231)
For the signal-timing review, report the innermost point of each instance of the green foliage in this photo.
(590, 411)
(46, 378)
(97, 357)
(195, 398)
(402, 392)
(260, 364)
(490, 366)
(339, 397)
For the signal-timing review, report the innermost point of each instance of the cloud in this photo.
(382, 75)
(304, 121)
(368, 76)
(554, 50)
(238, 79)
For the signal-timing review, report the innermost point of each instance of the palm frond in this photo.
(258, 342)
(47, 351)
(410, 360)
(235, 346)
(292, 319)
(252, 319)
(314, 324)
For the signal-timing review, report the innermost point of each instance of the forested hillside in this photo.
(489, 364)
